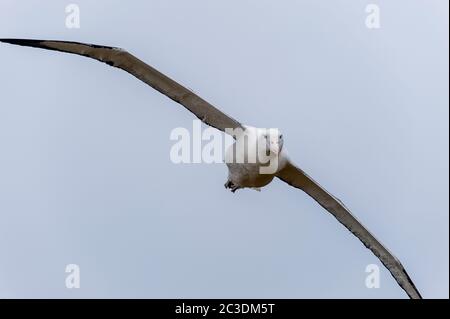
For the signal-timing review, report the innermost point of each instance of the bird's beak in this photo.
(275, 148)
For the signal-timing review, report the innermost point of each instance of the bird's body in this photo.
(249, 158)
(247, 176)
(251, 166)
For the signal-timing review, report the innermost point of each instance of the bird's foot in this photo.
(229, 184)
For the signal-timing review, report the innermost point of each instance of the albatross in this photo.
(241, 175)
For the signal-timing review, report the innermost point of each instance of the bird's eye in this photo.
(281, 136)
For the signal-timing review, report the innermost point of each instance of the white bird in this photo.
(241, 175)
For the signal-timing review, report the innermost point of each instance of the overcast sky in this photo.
(86, 179)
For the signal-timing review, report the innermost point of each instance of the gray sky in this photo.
(85, 175)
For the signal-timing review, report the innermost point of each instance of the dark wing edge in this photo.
(299, 179)
(121, 59)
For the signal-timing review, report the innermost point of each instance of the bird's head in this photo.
(274, 141)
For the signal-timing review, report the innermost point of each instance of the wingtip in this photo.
(45, 44)
(24, 42)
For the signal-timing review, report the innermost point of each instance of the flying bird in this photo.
(240, 175)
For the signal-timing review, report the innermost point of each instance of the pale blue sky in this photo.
(85, 175)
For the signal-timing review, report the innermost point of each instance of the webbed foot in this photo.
(229, 184)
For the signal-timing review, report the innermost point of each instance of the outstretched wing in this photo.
(122, 59)
(297, 178)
